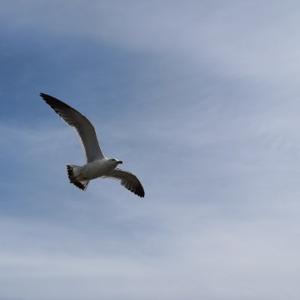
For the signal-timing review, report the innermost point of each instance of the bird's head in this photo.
(115, 161)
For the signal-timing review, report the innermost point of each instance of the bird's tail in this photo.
(73, 172)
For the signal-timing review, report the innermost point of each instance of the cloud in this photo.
(234, 39)
(200, 100)
(217, 248)
(194, 265)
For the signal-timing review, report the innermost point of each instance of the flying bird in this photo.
(97, 165)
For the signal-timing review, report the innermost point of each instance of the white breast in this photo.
(97, 168)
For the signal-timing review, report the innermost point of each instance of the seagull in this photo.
(97, 165)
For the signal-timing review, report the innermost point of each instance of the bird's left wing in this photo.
(83, 126)
(128, 180)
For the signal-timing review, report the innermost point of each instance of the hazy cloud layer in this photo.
(198, 98)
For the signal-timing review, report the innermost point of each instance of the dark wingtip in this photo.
(45, 97)
(140, 192)
(54, 102)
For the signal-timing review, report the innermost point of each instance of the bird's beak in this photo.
(120, 162)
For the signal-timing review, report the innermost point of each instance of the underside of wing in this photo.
(129, 181)
(82, 125)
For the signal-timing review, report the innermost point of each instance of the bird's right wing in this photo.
(82, 125)
(128, 180)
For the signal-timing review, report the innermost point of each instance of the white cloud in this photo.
(219, 260)
(220, 218)
(233, 38)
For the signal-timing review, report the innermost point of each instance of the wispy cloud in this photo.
(201, 101)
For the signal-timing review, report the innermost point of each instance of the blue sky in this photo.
(201, 100)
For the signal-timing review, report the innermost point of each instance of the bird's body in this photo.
(96, 168)
(97, 165)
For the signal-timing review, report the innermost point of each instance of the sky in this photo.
(200, 99)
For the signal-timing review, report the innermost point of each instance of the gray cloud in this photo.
(217, 116)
